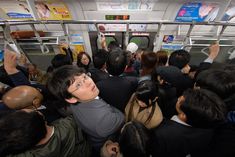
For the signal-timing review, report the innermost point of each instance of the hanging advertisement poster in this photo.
(15, 10)
(197, 12)
(52, 10)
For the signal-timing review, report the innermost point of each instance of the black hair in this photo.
(203, 108)
(179, 58)
(61, 79)
(60, 60)
(21, 131)
(100, 58)
(116, 62)
(134, 140)
(146, 90)
(113, 45)
(221, 82)
(50, 69)
(79, 60)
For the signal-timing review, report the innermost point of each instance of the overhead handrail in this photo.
(218, 40)
(43, 47)
(212, 23)
(187, 37)
(187, 42)
(9, 40)
(202, 45)
(231, 53)
(221, 32)
(206, 47)
(63, 25)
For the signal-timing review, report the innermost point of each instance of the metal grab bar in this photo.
(9, 40)
(43, 47)
(207, 45)
(187, 42)
(66, 34)
(165, 22)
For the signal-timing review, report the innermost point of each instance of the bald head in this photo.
(22, 97)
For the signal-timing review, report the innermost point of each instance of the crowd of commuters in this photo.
(118, 103)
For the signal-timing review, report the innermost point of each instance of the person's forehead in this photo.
(84, 56)
(79, 77)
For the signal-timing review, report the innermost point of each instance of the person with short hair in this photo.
(162, 58)
(148, 63)
(23, 97)
(117, 90)
(190, 132)
(28, 135)
(99, 71)
(98, 119)
(27, 97)
(220, 81)
(180, 59)
(113, 45)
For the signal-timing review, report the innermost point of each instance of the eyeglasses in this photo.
(79, 84)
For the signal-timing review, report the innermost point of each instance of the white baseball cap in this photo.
(132, 47)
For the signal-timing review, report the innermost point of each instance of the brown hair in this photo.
(148, 62)
(162, 58)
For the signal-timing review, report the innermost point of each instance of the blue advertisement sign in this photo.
(197, 12)
(15, 15)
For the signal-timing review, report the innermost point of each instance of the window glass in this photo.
(141, 41)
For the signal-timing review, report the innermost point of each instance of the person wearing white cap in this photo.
(132, 47)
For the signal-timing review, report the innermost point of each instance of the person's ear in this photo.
(72, 100)
(113, 148)
(36, 102)
(182, 116)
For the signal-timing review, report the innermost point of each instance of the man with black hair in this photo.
(113, 45)
(192, 129)
(99, 71)
(97, 119)
(117, 90)
(26, 134)
(221, 81)
(181, 59)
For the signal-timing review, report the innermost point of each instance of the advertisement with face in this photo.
(52, 10)
(15, 10)
(197, 12)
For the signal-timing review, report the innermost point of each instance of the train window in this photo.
(108, 40)
(141, 41)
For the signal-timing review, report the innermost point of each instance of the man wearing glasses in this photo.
(98, 119)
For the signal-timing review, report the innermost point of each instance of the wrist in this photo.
(11, 70)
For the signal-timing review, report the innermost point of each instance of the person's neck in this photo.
(50, 131)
